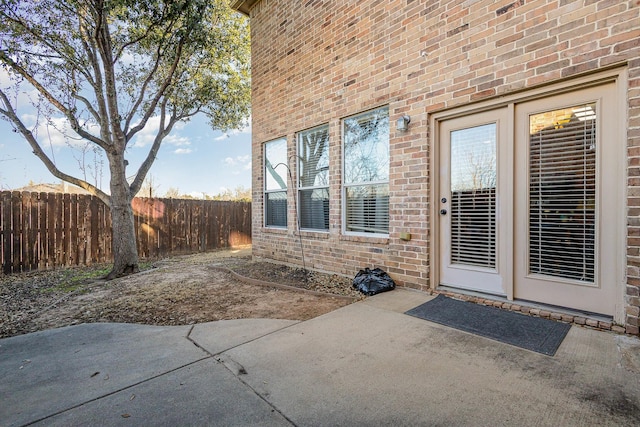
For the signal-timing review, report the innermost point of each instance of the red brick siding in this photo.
(316, 62)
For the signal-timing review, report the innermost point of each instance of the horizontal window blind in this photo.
(473, 227)
(367, 208)
(276, 209)
(275, 183)
(473, 196)
(313, 178)
(314, 209)
(562, 193)
(366, 172)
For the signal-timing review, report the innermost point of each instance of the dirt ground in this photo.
(174, 291)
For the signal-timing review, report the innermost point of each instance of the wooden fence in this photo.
(48, 230)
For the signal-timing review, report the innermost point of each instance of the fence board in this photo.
(16, 220)
(43, 248)
(5, 224)
(83, 227)
(49, 230)
(66, 229)
(93, 225)
(104, 248)
(59, 230)
(73, 228)
(25, 229)
(149, 234)
(32, 248)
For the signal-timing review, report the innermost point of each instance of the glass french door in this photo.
(567, 210)
(473, 246)
(529, 200)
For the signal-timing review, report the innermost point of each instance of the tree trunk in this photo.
(125, 252)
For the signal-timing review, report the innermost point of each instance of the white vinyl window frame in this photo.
(313, 179)
(275, 170)
(365, 188)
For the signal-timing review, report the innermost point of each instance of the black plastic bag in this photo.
(371, 282)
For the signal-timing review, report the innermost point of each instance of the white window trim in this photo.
(344, 186)
(265, 191)
(299, 188)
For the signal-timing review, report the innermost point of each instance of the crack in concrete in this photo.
(111, 393)
(238, 370)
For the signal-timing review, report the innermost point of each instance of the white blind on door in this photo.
(473, 227)
(562, 193)
(473, 196)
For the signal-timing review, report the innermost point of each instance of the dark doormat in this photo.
(532, 333)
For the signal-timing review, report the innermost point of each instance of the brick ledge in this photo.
(546, 312)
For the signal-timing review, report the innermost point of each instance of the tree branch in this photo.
(147, 81)
(82, 31)
(45, 42)
(151, 26)
(87, 104)
(90, 50)
(160, 93)
(103, 41)
(151, 156)
(143, 91)
(55, 102)
(10, 113)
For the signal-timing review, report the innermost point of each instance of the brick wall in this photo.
(319, 61)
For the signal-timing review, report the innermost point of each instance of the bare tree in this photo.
(149, 187)
(172, 193)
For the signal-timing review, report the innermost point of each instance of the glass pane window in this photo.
(473, 158)
(366, 147)
(473, 196)
(313, 157)
(275, 179)
(313, 178)
(366, 172)
(562, 193)
(275, 164)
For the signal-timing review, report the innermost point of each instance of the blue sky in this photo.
(194, 158)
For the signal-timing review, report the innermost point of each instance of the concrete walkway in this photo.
(364, 364)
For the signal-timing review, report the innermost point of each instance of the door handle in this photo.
(443, 211)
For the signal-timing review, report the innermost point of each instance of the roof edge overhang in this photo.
(243, 6)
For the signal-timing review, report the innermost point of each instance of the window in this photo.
(562, 192)
(473, 195)
(275, 183)
(313, 178)
(366, 172)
